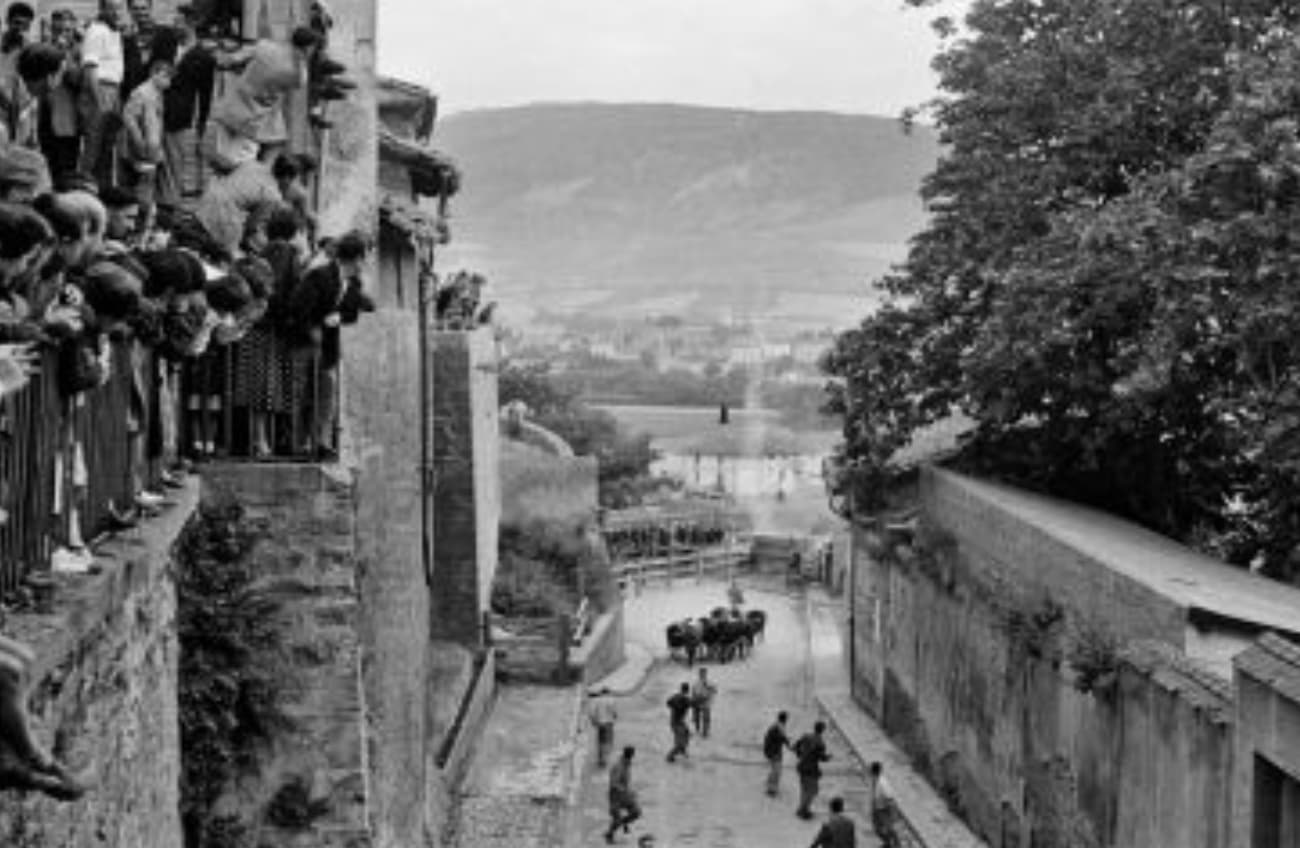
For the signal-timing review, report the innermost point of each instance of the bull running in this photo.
(723, 636)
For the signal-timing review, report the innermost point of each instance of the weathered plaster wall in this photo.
(1011, 554)
(382, 414)
(307, 563)
(350, 161)
(105, 697)
(868, 585)
(1175, 753)
(383, 449)
(467, 489)
(960, 654)
(1267, 736)
(539, 485)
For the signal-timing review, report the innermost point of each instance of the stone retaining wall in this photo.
(467, 491)
(603, 651)
(1041, 694)
(105, 696)
(532, 650)
(307, 563)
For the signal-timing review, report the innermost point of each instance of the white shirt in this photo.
(881, 793)
(602, 711)
(102, 50)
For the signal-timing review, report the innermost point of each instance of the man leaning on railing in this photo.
(329, 296)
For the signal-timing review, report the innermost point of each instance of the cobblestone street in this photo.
(715, 799)
(517, 787)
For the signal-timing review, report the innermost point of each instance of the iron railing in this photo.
(289, 416)
(30, 426)
(48, 440)
(114, 430)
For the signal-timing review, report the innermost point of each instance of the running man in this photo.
(811, 751)
(774, 745)
(623, 806)
(678, 706)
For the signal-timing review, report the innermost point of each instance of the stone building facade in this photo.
(467, 487)
(1267, 746)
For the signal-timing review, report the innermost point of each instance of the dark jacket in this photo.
(189, 99)
(811, 750)
(135, 65)
(775, 741)
(286, 268)
(321, 292)
(678, 707)
(837, 832)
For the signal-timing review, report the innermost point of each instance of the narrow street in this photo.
(715, 799)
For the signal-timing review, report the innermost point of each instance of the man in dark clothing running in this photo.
(623, 806)
(811, 751)
(774, 745)
(679, 706)
(838, 831)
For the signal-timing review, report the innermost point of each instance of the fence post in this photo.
(564, 629)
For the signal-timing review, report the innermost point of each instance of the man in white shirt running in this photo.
(884, 810)
(602, 713)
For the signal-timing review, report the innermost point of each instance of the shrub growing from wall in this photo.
(546, 568)
(234, 673)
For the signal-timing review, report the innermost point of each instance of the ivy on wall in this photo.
(234, 671)
(1036, 627)
(1037, 632)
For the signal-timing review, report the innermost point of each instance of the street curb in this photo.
(642, 676)
(655, 663)
(578, 758)
(571, 811)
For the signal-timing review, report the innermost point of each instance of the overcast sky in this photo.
(864, 56)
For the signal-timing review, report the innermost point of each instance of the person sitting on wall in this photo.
(24, 764)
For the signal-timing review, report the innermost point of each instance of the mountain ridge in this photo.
(727, 208)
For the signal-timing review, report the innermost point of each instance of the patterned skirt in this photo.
(264, 380)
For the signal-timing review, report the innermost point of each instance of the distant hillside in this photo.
(661, 208)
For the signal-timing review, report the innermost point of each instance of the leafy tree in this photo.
(1108, 284)
(532, 384)
(624, 458)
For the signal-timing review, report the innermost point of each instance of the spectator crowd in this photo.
(157, 241)
(459, 303)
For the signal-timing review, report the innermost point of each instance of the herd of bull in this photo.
(723, 636)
